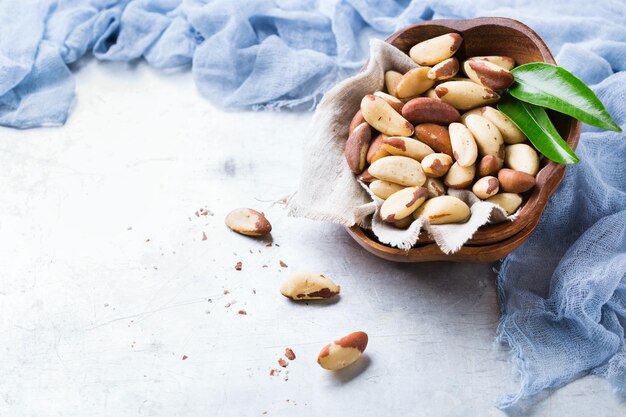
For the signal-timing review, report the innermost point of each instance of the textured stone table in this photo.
(113, 304)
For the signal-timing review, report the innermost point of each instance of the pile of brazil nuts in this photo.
(433, 130)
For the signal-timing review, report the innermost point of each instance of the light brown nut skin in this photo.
(356, 147)
(459, 177)
(343, 352)
(435, 50)
(309, 286)
(382, 117)
(435, 187)
(402, 203)
(464, 147)
(522, 157)
(400, 170)
(436, 164)
(443, 210)
(510, 132)
(429, 110)
(376, 151)
(501, 61)
(486, 187)
(487, 136)
(249, 222)
(444, 70)
(488, 74)
(391, 79)
(413, 83)
(356, 120)
(435, 136)
(465, 95)
(509, 202)
(383, 189)
(489, 165)
(402, 146)
(512, 181)
(396, 103)
(365, 176)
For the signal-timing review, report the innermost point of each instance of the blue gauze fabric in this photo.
(563, 293)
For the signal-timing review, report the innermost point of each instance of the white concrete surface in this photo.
(106, 283)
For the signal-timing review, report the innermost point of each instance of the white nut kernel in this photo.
(443, 210)
(382, 117)
(463, 145)
(398, 169)
(522, 157)
(509, 202)
(402, 203)
(383, 189)
(343, 352)
(486, 187)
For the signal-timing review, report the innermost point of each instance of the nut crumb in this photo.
(268, 245)
(226, 292)
(204, 236)
(238, 266)
(282, 362)
(242, 312)
(284, 265)
(264, 266)
(289, 354)
(185, 357)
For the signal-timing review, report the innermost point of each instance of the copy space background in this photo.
(105, 278)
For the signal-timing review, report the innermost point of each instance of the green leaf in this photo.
(555, 88)
(537, 126)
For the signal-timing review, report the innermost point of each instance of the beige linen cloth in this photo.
(329, 191)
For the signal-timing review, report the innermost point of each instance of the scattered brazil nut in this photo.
(443, 210)
(487, 136)
(447, 68)
(343, 352)
(413, 83)
(402, 203)
(435, 136)
(486, 187)
(400, 170)
(436, 164)
(465, 95)
(399, 145)
(512, 181)
(522, 157)
(435, 50)
(429, 110)
(509, 202)
(463, 145)
(247, 221)
(383, 189)
(382, 117)
(488, 74)
(309, 286)
(459, 176)
(357, 146)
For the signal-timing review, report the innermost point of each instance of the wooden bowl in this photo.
(485, 36)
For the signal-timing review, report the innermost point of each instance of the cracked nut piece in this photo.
(309, 286)
(402, 203)
(343, 352)
(382, 117)
(248, 222)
